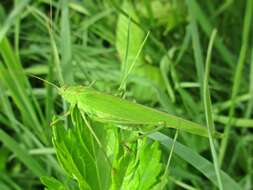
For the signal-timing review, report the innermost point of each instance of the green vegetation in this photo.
(154, 94)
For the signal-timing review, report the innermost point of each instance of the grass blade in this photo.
(66, 64)
(237, 122)
(12, 17)
(132, 65)
(196, 47)
(208, 111)
(197, 161)
(204, 22)
(250, 103)
(22, 154)
(237, 76)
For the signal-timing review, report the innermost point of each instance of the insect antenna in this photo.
(50, 83)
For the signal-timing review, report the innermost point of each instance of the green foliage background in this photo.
(87, 42)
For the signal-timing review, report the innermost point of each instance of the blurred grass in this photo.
(80, 42)
(208, 110)
(237, 75)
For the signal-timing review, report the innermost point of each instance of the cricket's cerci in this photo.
(108, 108)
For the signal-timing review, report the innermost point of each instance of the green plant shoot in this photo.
(107, 108)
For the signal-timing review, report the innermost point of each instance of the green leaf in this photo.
(79, 155)
(122, 156)
(143, 171)
(52, 183)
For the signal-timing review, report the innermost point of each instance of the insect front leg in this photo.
(62, 117)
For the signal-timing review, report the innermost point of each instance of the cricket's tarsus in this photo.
(59, 119)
